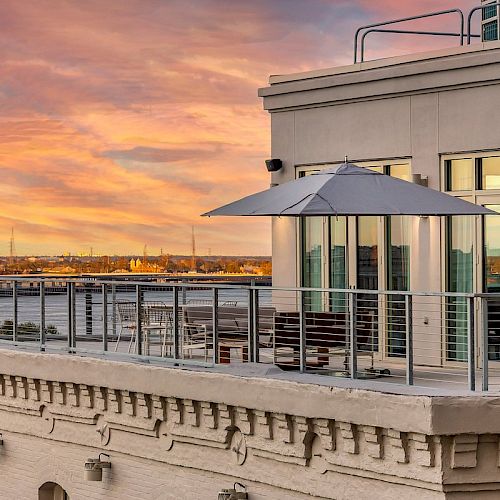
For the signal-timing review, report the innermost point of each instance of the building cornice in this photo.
(375, 81)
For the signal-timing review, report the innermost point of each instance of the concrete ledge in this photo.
(427, 414)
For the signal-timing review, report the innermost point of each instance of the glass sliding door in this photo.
(329, 233)
(460, 236)
(367, 253)
(492, 251)
(491, 277)
(398, 279)
(312, 260)
(338, 261)
(368, 278)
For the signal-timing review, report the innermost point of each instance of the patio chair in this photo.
(157, 317)
(127, 318)
(195, 335)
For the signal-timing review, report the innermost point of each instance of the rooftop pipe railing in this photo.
(374, 28)
(411, 18)
(471, 13)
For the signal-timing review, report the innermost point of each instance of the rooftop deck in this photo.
(404, 342)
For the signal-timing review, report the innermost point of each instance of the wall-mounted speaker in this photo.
(273, 165)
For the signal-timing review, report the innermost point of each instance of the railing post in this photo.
(256, 357)
(251, 325)
(73, 309)
(471, 351)
(14, 311)
(69, 293)
(138, 319)
(42, 316)
(409, 339)
(104, 317)
(302, 333)
(215, 325)
(113, 312)
(353, 341)
(485, 344)
(175, 323)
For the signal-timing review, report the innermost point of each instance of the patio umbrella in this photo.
(347, 189)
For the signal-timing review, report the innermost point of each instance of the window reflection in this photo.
(490, 173)
(367, 253)
(399, 252)
(398, 278)
(338, 275)
(492, 250)
(367, 260)
(460, 174)
(401, 171)
(312, 275)
(460, 279)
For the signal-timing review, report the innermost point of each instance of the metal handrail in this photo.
(149, 284)
(471, 13)
(405, 32)
(302, 343)
(411, 18)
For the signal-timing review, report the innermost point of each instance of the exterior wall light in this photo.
(273, 165)
(233, 494)
(94, 466)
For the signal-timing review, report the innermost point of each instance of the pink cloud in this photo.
(123, 121)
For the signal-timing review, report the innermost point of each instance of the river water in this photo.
(56, 306)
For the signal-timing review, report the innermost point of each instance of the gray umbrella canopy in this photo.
(349, 190)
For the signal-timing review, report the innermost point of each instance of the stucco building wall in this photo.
(185, 434)
(416, 107)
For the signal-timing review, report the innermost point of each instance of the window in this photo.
(460, 174)
(401, 171)
(489, 12)
(469, 175)
(312, 260)
(398, 279)
(367, 251)
(490, 31)
(460, 237)
(477, 179)
(338, 261)
(52, 491)
(490, 172)
(492, 251)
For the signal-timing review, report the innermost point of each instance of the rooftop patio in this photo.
(431, 341)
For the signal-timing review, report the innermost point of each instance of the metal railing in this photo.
(470, 15)
(440, 340)
(461, 35)
(464, 32)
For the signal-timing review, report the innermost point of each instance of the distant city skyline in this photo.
(123, 121)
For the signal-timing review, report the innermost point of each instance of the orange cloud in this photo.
(123, 121)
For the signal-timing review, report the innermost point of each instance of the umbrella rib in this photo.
(328, 203)
(301, 200)
(295, 204)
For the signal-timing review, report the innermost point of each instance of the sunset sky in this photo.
(123, 120)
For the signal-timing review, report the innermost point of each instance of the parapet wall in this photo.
(183, 434)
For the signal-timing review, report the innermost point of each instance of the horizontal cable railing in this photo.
(429, 339)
